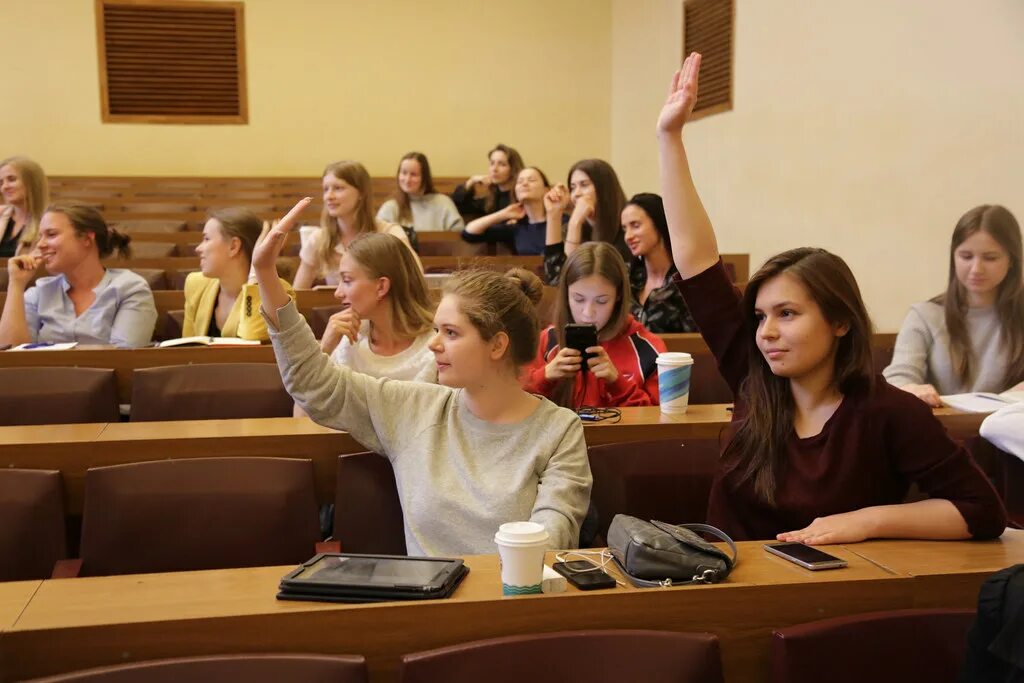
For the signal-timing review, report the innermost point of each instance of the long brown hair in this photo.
(401, 197)
(86, 219)
(37, 194)
(592, 258)
(757, 449)
(998, 222)
(610, 198)
(240, 223)
(383, 255)
(515, 165)
(356, 175)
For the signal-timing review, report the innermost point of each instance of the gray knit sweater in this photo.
(458, 476)
(922, 351)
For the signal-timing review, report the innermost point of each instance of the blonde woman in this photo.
(26, 194)
(347, 213)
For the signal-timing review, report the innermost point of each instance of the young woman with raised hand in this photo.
(26, 194)
(597, 200)
(347, 213)
(219, 300)
(621, 370)
(82, 301)
(970, 338)
(416, 205)
(522, 225)
(820, 450)
(657, 303)
(491, 191)
(469, 453)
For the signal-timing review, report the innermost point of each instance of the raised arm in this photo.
(264, 262)
(512, 212)
(694, 247)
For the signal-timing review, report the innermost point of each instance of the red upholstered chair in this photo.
(241, 668)
(882, 647)
(209, 391)
(572, 657)
(318, 317)
(667, 480)
(367, 512)
(32, 527)
(706, 384)
(202, 513)
(32, 396)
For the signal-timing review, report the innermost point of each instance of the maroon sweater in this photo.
(870, 450)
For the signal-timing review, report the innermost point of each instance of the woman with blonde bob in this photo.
(347, 213)
(469, 453)
(819, 450)
(26, 193)
(970, 338)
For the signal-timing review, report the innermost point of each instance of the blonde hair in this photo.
(496, 302)
(383, 255)
(356, 175)
(240, 223)
(37, 194)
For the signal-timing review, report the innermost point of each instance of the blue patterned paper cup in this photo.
(674, 371)
(521, 548)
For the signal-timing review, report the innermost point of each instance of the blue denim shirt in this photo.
(123, 314)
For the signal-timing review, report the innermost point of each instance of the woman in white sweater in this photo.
(416, 205)
(469, 454)
(971, 338)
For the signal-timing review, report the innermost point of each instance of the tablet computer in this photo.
(363, 578)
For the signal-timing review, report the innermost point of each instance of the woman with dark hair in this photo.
(971, 338)
(492, 191)
(597, 199)
(83, 301)
(819, 449)
(416, 205)
(657, 303)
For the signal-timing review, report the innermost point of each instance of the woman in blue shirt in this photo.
(82, 301)
(523, 224)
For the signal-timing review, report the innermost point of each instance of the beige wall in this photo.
(331, 79)
(863, 126)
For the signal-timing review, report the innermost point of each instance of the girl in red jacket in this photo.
(620, 370)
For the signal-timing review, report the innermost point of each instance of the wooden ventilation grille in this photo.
(171, 61)
(708, 29)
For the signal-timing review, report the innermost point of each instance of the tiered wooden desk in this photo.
(77, 623)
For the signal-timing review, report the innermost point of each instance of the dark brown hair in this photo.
(515, 164)
(86, 219)
(998, 222)
(401, 197)
(610, 198)
(240, 223)
(758, 447)
(501, 302)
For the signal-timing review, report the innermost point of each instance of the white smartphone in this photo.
(805, 556)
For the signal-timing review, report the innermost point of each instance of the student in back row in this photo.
(820, 450)
(970, 338)
(82, 301)
(492, 191)
(347, 213)
(26, 194)
(416, 205)
(219, 301)
(521, 225)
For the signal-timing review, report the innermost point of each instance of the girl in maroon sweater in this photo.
(621, 371)
(820, 450)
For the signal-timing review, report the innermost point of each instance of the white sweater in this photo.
(430, 213)
(414, 364)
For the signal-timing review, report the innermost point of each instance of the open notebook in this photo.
(209, 341)
(982, 402)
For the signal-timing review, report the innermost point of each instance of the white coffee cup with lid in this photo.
(674, 370)
(521, 548)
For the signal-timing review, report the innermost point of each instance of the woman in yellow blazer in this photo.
(219, 301)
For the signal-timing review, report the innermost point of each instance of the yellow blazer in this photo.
(243, 321)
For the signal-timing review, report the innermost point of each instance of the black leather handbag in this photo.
(659, 554)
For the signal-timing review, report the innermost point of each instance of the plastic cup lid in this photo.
(674, 358)
(521, 533)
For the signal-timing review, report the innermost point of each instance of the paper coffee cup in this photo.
(521, 547)
(674, 381)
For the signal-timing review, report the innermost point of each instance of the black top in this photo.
(664, 311)
(525, 238)
(8, 240)
(213, 330)
(471, 207)
(554, 255)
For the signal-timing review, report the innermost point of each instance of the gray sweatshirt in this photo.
(922, 353)
(430, 213)
(459, 477)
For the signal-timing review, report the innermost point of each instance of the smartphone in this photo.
(581, 338)
(584, 575)
(805, 556)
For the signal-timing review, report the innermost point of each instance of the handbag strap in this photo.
(698, 578)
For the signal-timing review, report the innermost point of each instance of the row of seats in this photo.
(882, 647)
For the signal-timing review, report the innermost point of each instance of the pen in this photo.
(37, 345)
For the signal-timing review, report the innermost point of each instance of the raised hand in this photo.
(20, 269)
(270, 245)
(682, 96)
(556, 199)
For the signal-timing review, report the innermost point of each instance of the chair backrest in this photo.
(153, 250)
(706, 383)
(319, 316)
(882, 647)
(294, 668)
(209, 391)
(573, 657)
(31, 396)
(367, 512)
(202, 513)
(668, 480)
(150, 225)
(32, 532)
(156, 278)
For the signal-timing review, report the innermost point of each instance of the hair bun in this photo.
(527, 282)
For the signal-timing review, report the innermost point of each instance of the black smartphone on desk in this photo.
(581, 338)
(586, 576)
(805, 556)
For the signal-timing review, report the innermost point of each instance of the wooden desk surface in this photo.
(14, 598)
(95, 621)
